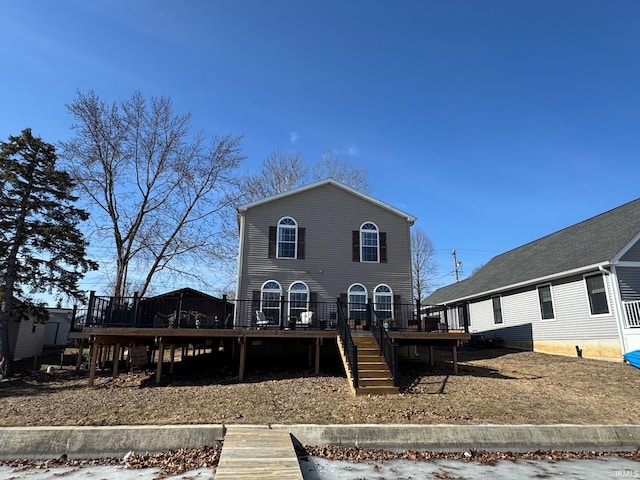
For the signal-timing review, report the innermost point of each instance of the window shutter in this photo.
(272, 241)
(383, 247)
(255, 305)
(313, 302)
(355, 246)
(397, 307)
(301, 243)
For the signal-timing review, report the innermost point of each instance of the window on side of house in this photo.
(546, 302)
(357, 301)
(369, 242)
(270, 294)
(287, 238)
(497, 309)
(298, 299)
(383, 301)
(597, 294)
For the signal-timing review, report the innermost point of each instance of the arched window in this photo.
(357, 301)
(270, 294)
(298, 300)
(369, 242)
(287, 238)
(383, 301)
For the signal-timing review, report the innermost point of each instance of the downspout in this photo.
(620, 317)
(241, 226)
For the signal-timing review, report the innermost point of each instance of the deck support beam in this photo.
(318, 343)
(173, 358)
(160, 358)
(243, 357)
(94, 359)
(454, 354)
(116, 360)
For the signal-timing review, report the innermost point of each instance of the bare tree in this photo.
(330, 165)
(280, 172)
(154, 188)
(423, 267)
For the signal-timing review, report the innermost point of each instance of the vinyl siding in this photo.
(23, 342)
(633, 254)
(629, 283)
(522, 318)
(329, 215)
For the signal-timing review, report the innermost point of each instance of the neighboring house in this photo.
(320, 242)
(576, 289)
(58, 326)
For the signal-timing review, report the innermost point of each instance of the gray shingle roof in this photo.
(591, 242)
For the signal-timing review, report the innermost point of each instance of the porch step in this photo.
(374, 377)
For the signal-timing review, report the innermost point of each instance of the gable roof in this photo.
(328, 181)
(584, 246)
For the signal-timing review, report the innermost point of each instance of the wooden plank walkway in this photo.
(258, 453)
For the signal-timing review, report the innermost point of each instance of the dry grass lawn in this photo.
(494, 386)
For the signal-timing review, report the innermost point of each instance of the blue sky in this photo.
(494, 122)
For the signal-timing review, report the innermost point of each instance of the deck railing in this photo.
(350, 348)
(388, 349)
(632, 313)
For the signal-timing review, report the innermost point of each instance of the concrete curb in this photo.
(95, 442)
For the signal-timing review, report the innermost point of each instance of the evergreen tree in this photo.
(41, 248)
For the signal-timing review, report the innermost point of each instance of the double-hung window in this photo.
(369, 242)
(383, 301)
(357, 301)
(287, 238)
(298, 299)
(546, 302)
(270, 300)
(497, 309)
(597, 294)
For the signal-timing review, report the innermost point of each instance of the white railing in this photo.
(632, 313)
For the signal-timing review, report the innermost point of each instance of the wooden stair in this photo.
(374, 377)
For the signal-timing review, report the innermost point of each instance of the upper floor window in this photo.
(287, 238)
(597, 294)
(383, 301)
(369, 242)
(357, 301)
(497, 309)
(546, 302)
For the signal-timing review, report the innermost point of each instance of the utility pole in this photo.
(456, 265)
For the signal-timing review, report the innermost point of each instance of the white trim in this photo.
(329, 181)
(553, 302)
(621, 316)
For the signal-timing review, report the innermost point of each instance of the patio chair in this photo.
(261, 319)
(305, 319)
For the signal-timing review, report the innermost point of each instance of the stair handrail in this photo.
(350, 347)
(388, 348)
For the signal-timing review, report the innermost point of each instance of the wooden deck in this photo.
(258, 453)
(169, 338)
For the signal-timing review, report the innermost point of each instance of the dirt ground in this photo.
(494, 386)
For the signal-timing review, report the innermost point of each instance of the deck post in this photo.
(454, 353)
(173, 358)
(94, 358)
(432, 360)
(80, 351)
(243, 357)
(318, 343)
(160, 358)
(116, 360)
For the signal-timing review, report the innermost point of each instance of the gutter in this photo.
(597, 266)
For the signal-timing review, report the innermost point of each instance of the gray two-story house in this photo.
(319, 243)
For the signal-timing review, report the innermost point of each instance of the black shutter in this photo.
(301, 243)
(397, 307)
(355, 245)
(383, 247)
(272, 241)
